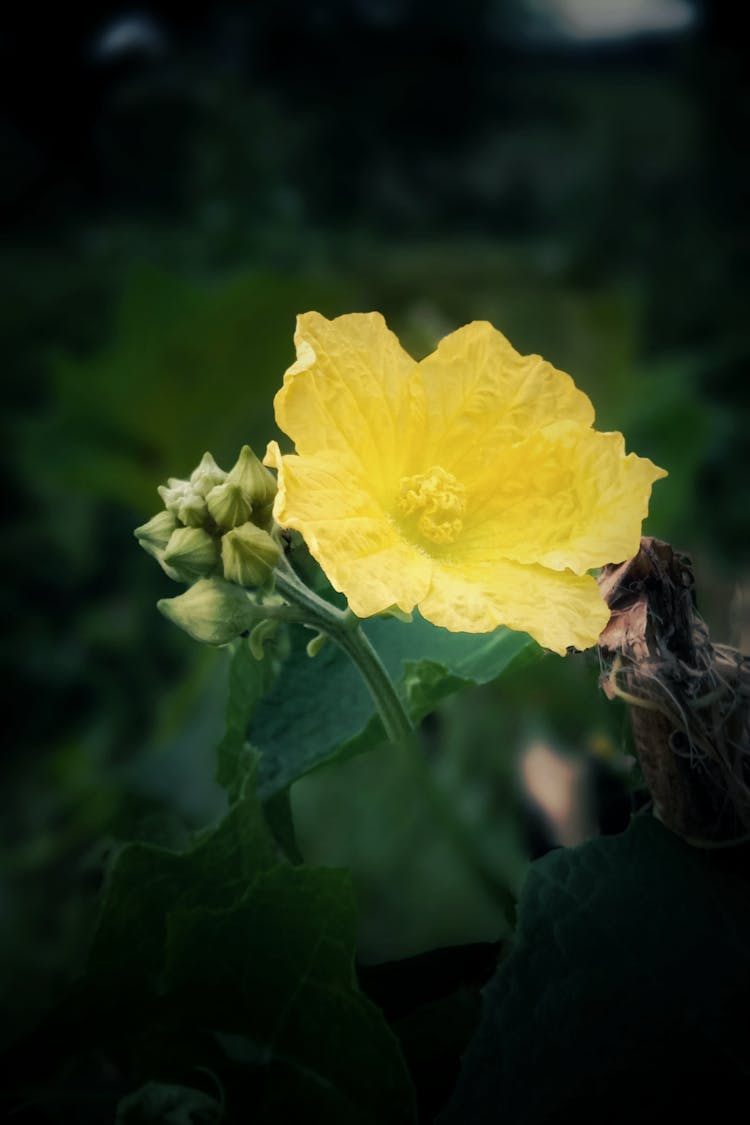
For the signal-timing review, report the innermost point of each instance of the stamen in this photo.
(437, 502)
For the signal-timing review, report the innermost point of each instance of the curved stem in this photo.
(397, 724)
(316, 609)
(345, 629)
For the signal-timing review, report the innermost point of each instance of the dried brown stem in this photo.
(689, 700)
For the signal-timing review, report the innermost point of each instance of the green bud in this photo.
(191, 553)
(168, 570)
(173, 493)
(206, 476)
(257, 484)
(249, 555)
(154, 535)
(263, 516)
(182, 499)
(192, 511)
(212, 611)
(228, 506)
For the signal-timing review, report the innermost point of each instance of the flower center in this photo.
(437, 501)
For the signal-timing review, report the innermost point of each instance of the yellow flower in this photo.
(470, 484)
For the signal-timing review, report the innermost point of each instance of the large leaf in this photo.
(628, 987)
(148, 882)
(159, 1104)
(219, 967)
(248, 679)
(320, 707)
(417, 888)
(273, 976)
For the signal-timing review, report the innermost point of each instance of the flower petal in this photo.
(348, 533)
(566, 497)
(557, 608)
(477, 393)
(500, 442)
(349, 393)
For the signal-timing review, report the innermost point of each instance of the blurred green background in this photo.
(177, 188)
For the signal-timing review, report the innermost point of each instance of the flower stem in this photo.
(345, 629)
(396, 722)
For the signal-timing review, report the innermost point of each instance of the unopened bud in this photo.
(206, 476)
(212, 611)
(192, 511)
(257, 484)
(228, 506)
(191, 553)
(169, 570)
(249, 555)
(154, 535)
(184, 501)
(173, 493)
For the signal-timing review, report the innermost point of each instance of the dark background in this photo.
(176, 188)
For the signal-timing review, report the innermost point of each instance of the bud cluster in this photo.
(216, 524)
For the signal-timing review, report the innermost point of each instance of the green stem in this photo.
(317, 610)
(345, 629)
(397, 724)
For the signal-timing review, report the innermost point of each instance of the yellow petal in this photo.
(556, 608)
(348, 533)
(470, 484)
(566, 497)
(477, 393)
(349, 393)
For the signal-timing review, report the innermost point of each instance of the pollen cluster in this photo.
(437, 500)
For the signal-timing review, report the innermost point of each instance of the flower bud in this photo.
(228, 506)
(154, 535)
(206, 476)
(249, 555)
(192, 511)
(212, 611)
(173, 493)
(186, 498)
(191, 553)
(257, 484)
(168, 570)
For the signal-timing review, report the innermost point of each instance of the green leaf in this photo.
(248, 680)
(416, 889)
(280, 819)
(628, 985)
(220, 961)
(279, 989)
(320, 707)
(147, 882)
(156, 1102)
(433, 1037)
(236, 758)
